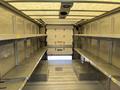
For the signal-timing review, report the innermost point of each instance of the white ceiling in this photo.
(94, 6)
(36, 5)
(49, 11)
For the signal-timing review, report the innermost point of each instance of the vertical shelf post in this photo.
(16, 52)
(110, 52)
(25, 47)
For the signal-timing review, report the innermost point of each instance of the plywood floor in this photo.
(62, 77)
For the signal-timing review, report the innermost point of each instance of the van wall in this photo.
(12, 23)
(109, 25)
(106, 49)
(59, 39)
(106, 25)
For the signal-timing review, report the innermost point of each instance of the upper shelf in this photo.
(16, 78)
(4, 37)
(109, 36)
(106, 68)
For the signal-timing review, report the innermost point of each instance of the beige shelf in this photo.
(108, 69)
(116, 79)
(109, 36)
(15, 85)
(16, 78)
(19, 36)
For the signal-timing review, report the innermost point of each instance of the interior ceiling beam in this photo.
(60, 24)
(70, 10)
(41, 21)
(10, 7)
(79, 1)
(67, 15)
(114, 11)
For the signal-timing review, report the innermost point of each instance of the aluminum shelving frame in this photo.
(109, 70)
(17, 77)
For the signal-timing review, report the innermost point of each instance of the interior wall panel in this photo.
(33, 28)
(19, 25)
(83, 43)
(88, 29)
(116, 54)
(106, 25)
(107, 29)
(37, 29)
(21, 51)
(59, 37)
(94, 29)
(6, 24)
(34, 44)
(104, 50)
(116, 21)
(84, 29)
(87, 44)
(94, 47)
(29, 48)
(28, 27)
(7, 59)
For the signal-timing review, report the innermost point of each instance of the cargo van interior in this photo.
(59, 44)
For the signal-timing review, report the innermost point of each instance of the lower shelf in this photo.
(16, 78)
(108, 69)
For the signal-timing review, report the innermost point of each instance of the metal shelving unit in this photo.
(22, 47)
(109, 70)
(17, 77)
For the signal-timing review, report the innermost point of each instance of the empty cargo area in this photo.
(66, 76)
(59, 44)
